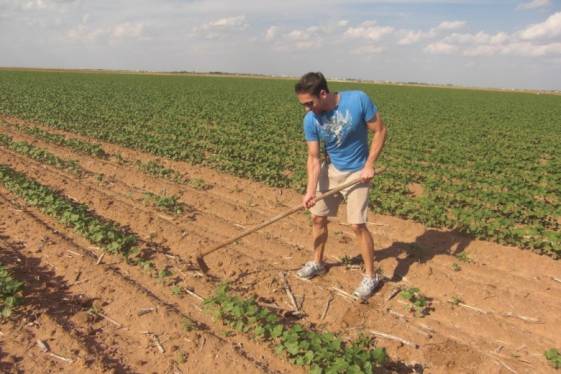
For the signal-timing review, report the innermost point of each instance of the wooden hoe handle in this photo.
(281, 216)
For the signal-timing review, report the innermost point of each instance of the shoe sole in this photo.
(312, 276)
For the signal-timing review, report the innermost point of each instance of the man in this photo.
(342, 121)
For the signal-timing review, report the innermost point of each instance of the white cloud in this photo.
(478, 38)
(127, 30)
(410, 37)
(449, 25)
(111, 34)
(367, 50)
(29, 5)
(534, 4)
(271, 33)
(222, 27)
(368, 30)
(551, 27)
(441, 48)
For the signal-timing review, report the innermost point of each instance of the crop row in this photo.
(321, 352)
(38, 154)
(106, 234)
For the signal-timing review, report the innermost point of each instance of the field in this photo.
(109, 183)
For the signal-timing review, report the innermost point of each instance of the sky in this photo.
(477, 43)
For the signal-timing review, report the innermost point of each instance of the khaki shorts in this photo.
(356, 196)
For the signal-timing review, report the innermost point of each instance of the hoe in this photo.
(200, 256)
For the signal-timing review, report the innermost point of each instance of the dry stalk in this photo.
(45, 349)
(144, 311)
(74, 253)
(326, 308)
(289, 292)
(193, 294)
(60, 357)
(524, 318)
(469, 307)
(155, 340)
(106, 318)
(393, 337)
(503, 364)
(100, 258)
(42, 346)
(343, 293)
(393, 293)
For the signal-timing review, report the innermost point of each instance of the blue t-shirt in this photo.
(343, 130)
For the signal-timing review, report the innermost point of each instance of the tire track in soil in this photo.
(434, 259)
(168, 318)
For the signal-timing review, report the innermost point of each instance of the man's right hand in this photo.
(309, 200)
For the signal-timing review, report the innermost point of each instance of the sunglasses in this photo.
(308, 104)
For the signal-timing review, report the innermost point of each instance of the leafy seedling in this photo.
(464, 257)
(420, 304)
(553, 357)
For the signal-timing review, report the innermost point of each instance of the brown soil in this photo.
(416, 189)
(509, 315)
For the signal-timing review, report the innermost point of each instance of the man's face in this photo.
(312, 102)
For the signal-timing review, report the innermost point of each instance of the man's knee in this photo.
(359, 228)
(319, 221)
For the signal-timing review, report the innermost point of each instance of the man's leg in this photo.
(319, 237)
(366, 244)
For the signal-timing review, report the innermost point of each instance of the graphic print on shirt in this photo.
(335, 127)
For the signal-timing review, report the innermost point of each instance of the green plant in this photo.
(455, 300)
(176, 290)
(182, 357)
(456, 267)
(169, 204)
(187, 324)
(321, 352)
(10, 293)
(464, 257)
(155, 169)
(419, 302)
(553, 357)
(199, 184)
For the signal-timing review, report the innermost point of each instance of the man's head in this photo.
(312, 91)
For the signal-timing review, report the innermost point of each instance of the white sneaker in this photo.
(367, 286)
(311, 269)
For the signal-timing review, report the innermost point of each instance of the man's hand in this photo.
(367, 173)
(309, 200)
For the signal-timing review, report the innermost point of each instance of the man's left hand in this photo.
(367, 173)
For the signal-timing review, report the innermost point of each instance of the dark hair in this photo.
(311, 83)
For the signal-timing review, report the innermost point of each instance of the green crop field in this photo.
(484, 163)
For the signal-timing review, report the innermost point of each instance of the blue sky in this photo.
(505, 44)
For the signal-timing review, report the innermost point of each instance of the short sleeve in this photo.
(369, 109)
(310, 129)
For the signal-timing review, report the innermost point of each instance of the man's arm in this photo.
(376, 125)
(313, 166)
